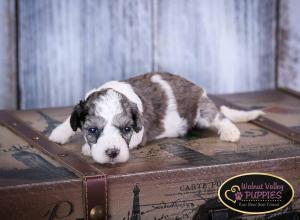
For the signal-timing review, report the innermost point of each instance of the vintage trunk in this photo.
(168, 179)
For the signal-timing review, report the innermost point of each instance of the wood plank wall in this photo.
(289, 45)
(227, 46)
(71, 46)
(8, 79)
(67, 47)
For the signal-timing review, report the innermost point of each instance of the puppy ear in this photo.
(78, 115)
(137, 118)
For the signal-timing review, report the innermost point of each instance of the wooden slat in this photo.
(8, 93)
(225, 46)
(117, 40)
(50, 53)
(70, 46)
(289, 45)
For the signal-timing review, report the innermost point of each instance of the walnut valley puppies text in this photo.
(256, 193)
(263, 191)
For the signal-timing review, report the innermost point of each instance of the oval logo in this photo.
(256, 193)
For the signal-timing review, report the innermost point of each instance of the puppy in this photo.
(120, 115)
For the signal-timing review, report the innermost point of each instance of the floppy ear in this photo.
(78, 115)
(137, 118)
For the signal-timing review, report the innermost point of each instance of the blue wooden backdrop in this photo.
(54, 51)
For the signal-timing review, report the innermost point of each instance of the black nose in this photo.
(112, 153)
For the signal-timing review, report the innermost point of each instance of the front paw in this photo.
(254, 114)
(59, 136)
(230, 133)
(86, 150)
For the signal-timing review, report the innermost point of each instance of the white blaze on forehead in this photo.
(174, 125)
(108, 105)
(123, 88)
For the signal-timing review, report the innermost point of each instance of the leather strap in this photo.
(95, 189)
(262, 121)
(96, 198)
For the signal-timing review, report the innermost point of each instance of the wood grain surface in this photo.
(289, 45)
(55, 51)
(8, 92)
(68, 47)
(226, 46)
(117, 40)
(50, 53)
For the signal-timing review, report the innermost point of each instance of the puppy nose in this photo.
(112, 153)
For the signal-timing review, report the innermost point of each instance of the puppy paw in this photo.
(86, 150)
(59, 135)
(255, 114)
(230, 132)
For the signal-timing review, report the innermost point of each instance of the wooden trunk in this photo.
(167, 179)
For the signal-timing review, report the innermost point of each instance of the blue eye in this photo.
(126, 130)
(93, 130)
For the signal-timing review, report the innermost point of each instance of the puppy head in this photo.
(111, 124)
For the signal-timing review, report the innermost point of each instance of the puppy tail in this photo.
(240, 116)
